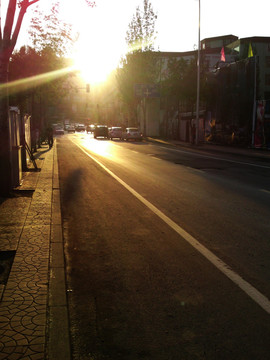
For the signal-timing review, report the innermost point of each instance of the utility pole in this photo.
(198, 79)
(254, 102)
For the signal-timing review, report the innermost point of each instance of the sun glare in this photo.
(90, 69)
(100, 46)
(96, 60)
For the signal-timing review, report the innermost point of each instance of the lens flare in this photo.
(37, 80)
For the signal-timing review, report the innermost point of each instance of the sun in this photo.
(90, 68)
(97, 54)
(95, 59)
(100, 44)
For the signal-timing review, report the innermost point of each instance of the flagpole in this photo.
(198, 79)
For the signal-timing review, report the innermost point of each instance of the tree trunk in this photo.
(5, 136)
(7, 44)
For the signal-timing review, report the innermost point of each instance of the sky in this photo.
(103, 28)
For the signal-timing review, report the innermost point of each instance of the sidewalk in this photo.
(257, 153)
(33, 307)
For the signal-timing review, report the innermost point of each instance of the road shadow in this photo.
(135, 142)
(72, 185)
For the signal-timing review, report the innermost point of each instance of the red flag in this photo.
(222, 53)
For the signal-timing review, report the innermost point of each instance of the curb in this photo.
(58, 346)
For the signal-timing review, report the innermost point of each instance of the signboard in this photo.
(146, 90)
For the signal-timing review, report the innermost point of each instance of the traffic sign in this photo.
(146, 90)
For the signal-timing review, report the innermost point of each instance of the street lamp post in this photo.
(198, 79)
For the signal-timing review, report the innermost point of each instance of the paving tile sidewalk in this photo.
(33, 308)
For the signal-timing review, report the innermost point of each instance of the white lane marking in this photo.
(153, 156)
(250, 290)
(194, 169)
(265, 191)
(215, 158)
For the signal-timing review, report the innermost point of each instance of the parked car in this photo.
(132, 133)
(80, 128)
(115, 132)
(71, 129)
(90, 128)
(101, 131)
(58, 130)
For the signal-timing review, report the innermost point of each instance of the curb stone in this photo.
(58, 325)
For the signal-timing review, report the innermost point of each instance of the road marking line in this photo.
(194, 169)
(215, 158)
(250, 290)
(265, 191)
(153, 156)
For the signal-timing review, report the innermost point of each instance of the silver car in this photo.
(115, 132)
(132, 133)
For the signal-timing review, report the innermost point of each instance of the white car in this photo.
(80, 128)
(71, 129)
(115, 132)
(59, 130)
(132, 133)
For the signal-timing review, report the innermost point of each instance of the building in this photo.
(153, 117)
(210, 53)
(260, 47)
(237, 83)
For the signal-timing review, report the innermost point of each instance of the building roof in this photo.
(260, 39)
(220, 37)
(216, 50)
(252, 39)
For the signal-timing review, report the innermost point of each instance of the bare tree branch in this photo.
(90, 3)
(0, 24)
(9, 23)
(27, 2)
(32, 2)
(23, 7)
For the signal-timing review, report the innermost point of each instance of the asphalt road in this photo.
(167, 251)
